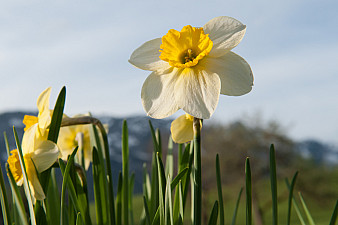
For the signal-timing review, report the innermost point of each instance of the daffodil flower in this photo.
(192, 67)
(182, 129)
(72, 136)
(44, 117)
(39, 154)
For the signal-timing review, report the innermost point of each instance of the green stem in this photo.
(125, 173)
(197, 172)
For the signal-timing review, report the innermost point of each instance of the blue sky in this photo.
(292, 47)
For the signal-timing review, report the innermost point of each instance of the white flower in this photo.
(192, 67)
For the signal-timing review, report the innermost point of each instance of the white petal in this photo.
(36, 188)
(158, 94)
(44, 120)
(43, 100)
(235, 73)
(146, 57)
(34, 183)
(45, 155)
(225, 33)
(197, 92)
(28, 139)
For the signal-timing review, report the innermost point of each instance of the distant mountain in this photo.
(140, 143)
(320, 153)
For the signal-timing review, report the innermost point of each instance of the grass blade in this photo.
(248, 192)
(168, 214)
(184, 161)
(178, 178)
(53, 203)
(130, 204)
(214, 214)
(161, 187)
(181, 208)
(109, 175)
(307, 212)
(125, 173)
(159, 140)
(179, 157)
(57, 116)
(109, 179)
(186, 181)
(299, 214)
(99, 184)
(119, 200)
(65, 170)
(156, 220)
(6, 144)
(154, 201)
(233, 222)
(105, 203)
(155, 139)
(273, 180)
(17, 200)
(291, 188)
(4, 202)
(80, 182)
(66, 178)
(183, 164)
(334, 215)
(146, 209)
(219, 190)
(161, 174)
(169, 164)
(78, 219)
(146, 184)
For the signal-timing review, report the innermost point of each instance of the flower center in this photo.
(185, 48)
(188, 56)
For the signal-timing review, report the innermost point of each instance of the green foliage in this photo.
(172, 188)
(4, 202)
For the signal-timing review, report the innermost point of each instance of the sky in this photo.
(291, 46)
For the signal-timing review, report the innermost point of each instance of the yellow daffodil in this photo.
(182, 129)
(72, 136)
(44, 117)
(192, 67)
(39, 154)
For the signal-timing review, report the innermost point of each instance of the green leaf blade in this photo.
(214, 214)
(248, 192)
(4, 201)
(273, 181)
(219, 190)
